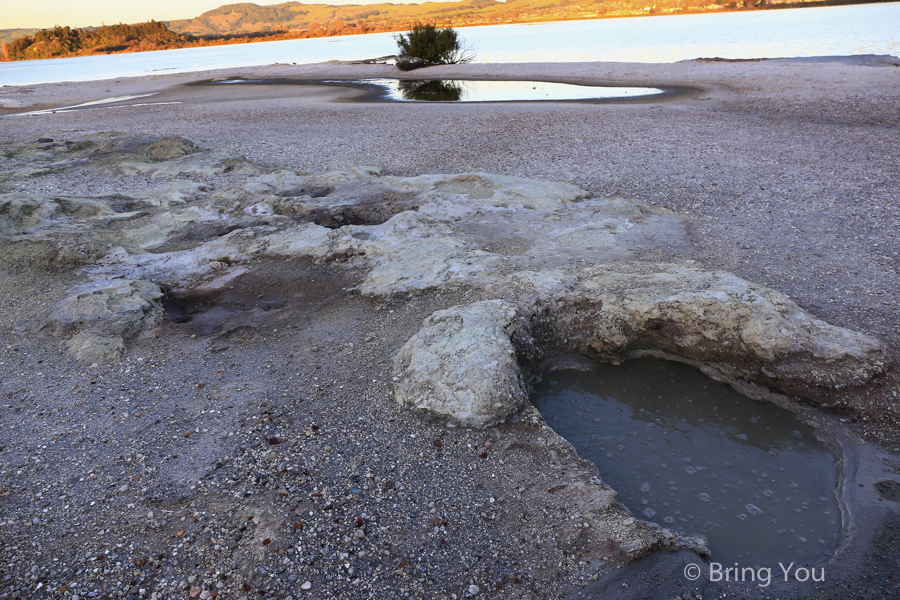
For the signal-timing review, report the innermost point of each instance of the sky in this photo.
(18, 14)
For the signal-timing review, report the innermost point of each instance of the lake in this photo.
(837, 30)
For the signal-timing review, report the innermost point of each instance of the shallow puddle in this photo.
(694, 455)
(465, 90)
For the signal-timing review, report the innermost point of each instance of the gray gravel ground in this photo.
(220, 464)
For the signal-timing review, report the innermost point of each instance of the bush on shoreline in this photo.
(427, 45)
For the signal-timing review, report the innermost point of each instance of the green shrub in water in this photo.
(427, 45)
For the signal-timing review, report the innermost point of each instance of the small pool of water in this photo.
(694, 455)
(465, 90)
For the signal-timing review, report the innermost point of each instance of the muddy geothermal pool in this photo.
(692, 454)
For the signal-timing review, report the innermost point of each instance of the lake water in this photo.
(838, 30)
(692, 454)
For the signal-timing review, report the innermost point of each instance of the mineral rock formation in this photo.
(578, 271)
(607, 278)
(744, 330)
(462, 364)
(104, 313)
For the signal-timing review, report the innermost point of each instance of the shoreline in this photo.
(784, 174)
(666, 47)
(715, 72)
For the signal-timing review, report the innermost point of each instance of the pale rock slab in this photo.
(462, 364)
(103, 314)
(93, 348)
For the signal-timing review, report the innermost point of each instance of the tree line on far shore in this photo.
(61, 42)
(65, 41)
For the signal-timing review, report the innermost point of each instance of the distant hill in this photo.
(247, 18)
(323, 19)
(65, 41)
(8, 35)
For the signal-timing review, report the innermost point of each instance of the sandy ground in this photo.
(787, 171)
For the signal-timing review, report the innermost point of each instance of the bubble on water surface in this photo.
(753, 510)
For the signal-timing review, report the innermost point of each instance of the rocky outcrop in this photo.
(607, 278)
(578, 270)
(743, 330)
(103, 314)
(462, 364)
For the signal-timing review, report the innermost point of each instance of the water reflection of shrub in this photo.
(434, 90)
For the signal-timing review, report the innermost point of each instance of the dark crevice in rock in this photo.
(191, 236)
(310, 191)
(269, 293)
(359, 214)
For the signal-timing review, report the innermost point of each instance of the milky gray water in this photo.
(692, 454)
(837, 30)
